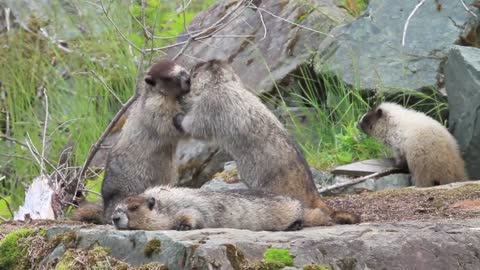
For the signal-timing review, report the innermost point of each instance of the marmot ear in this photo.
(149, 80)
(379, 112)
(151, 203)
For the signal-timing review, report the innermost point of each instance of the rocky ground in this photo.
(433, 228)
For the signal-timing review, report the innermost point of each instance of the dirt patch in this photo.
(412, 203)
(10, 226)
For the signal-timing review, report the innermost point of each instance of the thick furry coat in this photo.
(418, 141)
(166, 208)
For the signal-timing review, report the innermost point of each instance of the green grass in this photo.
(332, 109)
(83, 87)
(12, 252)
(278, 256)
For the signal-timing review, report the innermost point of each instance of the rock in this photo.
(392, 181)
(57, 17)
(198, 161)
(439, 244)
(262, 58)
(365, 167)
(368, 52)
(322, 178)
(462, 81)
(220, 185)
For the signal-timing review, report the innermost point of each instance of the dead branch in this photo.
(356, 180)
(13, 140)
(405, 27)
(44, 134)
(467, 9)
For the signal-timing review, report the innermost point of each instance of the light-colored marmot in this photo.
(418, 142)
(144, 154)
(219, 108)
(167, 208)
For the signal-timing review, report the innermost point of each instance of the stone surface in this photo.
(442, 244)
(220, 185)
(364, 167)
(392, 181)
(261, 57)
(368, 52)
(462, 81)
(198, 161)
(57, 16)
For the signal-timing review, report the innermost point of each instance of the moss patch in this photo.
(235, 256)
(152, 266)
(230, 176)
(13, 254)
(317, 267)
(68, 239)
(153, 246)
(95, 258)
(278, 255)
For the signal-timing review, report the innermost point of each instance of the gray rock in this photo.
(262, 58)
(63, 19)
(440, 244)
(368, 52)
(322, 178)
(229, 166)
(392, 181)
(198, 161)
(220, 185)
(462, 81)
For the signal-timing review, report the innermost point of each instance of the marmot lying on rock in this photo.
(167, 208)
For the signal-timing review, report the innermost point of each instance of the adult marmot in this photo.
(418, 142)
(166, 208)
(221, 109)
(144, 153)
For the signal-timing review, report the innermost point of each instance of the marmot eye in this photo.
(133, 208)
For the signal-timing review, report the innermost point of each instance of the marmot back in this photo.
(144, 154)
(418, 141)
(166, 208)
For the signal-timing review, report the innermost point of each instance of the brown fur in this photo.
(418, 141)
(221, 109)
(89, 212)
(166, 208)
(143, 155)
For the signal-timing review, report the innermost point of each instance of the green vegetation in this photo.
(12, 251)
(85, 87)
(153, 246)
(355, 7)
(278, 256)
(317, 267)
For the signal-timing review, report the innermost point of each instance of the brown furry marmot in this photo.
(219, 108)
(144, 153)
(167, 208)
(418, 141)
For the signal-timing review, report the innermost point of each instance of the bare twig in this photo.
(8, 205)
(405, 27)
(7, 18)
(290, 22)
(44, 135)
(263, 25)
(467, 9)
(183, 49)
(91, 191)
(105, 12)
(106, 86)
(355, 181)
(13, 140)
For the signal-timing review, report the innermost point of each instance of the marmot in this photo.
(418, 142)
(144, 153)
(167, 208)
(219, 108)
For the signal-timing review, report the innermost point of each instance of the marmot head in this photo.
(137, 212)
(214, 71)
(368, 120)
(167, 78)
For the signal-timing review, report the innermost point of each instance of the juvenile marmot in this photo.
(219, 108)
(167, 208)
(418, 142)
(144, 154)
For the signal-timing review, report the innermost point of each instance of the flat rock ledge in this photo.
(439, 244)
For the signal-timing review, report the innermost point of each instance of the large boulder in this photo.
(368, 52)
(440, 244)
(260, 44)
(462, 82)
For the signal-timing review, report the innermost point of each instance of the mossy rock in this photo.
(317, 267)
(13, 254)
(153, 246)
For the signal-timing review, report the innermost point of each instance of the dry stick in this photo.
(355, 181)
(44, 135)
(408, 20)
(467, 9)
(12, 140)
